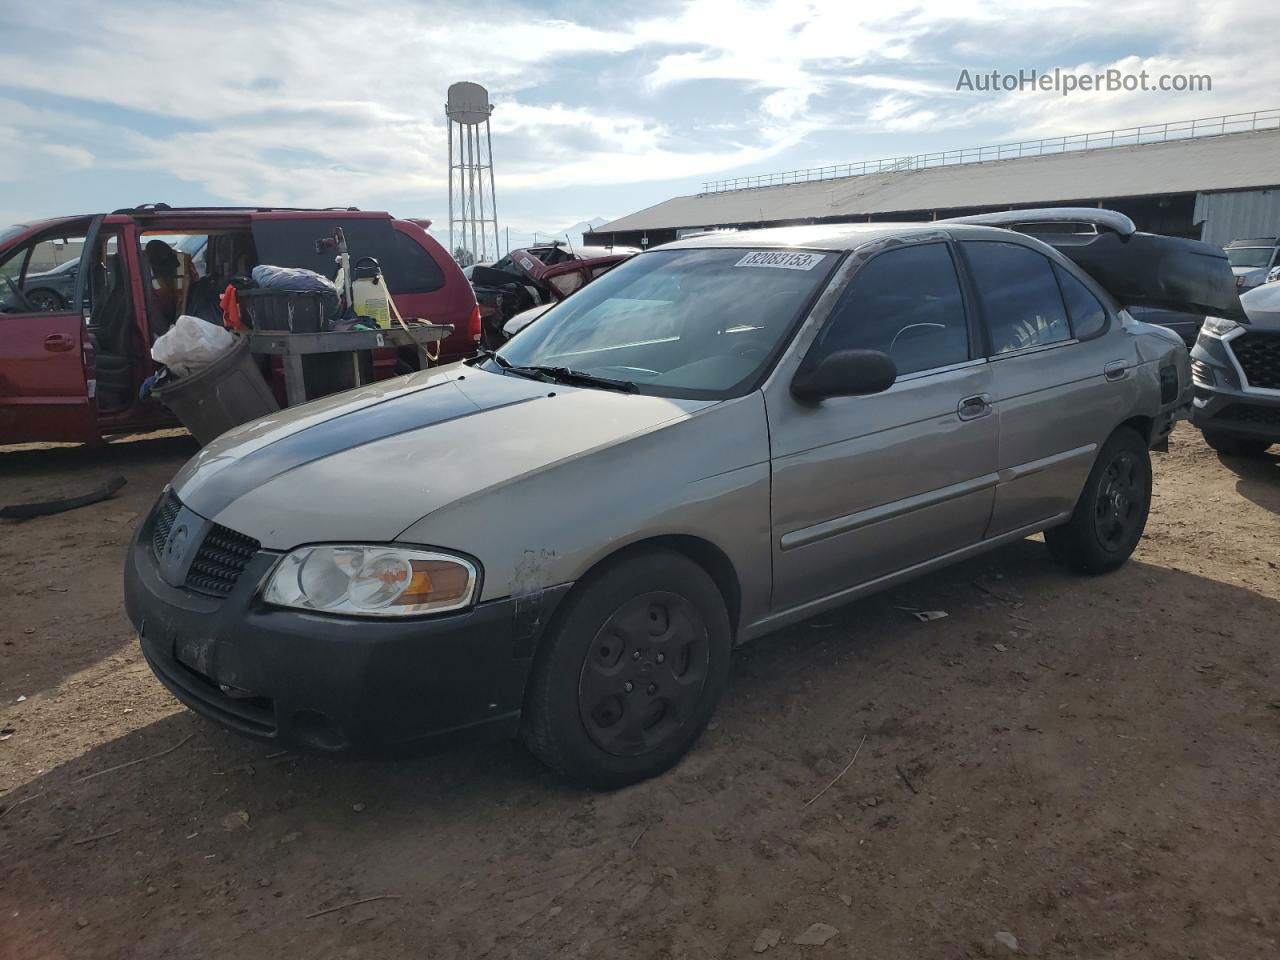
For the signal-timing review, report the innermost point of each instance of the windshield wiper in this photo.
(484, 353)
(574, 377)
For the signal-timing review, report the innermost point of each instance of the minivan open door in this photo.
(1138, 269)
(46, 368)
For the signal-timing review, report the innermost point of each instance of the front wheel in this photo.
(1111, 514)
(629, 675)
(1235, 446)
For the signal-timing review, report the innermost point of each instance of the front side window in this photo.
(40, 277)
(1019, 295)
(1088, 315)
(699, 323)
(905, 303)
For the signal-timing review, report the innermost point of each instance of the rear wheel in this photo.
(1111, 514)
(629, 676)
(1235, 446)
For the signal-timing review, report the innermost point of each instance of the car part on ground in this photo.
(788, 420)
(45, 508)
(1236, 369)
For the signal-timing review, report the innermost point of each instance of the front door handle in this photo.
(58, 342)
(971, 408)
(1116, 370)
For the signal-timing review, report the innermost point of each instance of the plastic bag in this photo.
(191, 344)
(295, 279)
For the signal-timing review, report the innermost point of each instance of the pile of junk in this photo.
(524, 284)
(207, 373)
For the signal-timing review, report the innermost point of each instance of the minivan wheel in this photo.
(1110, 515)
(630, 673)
(1235, 446)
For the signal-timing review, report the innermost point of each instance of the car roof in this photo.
(839, 236)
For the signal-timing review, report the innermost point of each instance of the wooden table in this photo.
(292, 347)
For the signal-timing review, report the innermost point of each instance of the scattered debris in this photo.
(278, 753)
(766, 938)
(235, 820)
(1007, 939)
(358, 807)
(838, 775)
(1001, 647)
(924, 616)
(23, 511)
(846, 899)
(21, 698)
(905, 779)
(130, 763)
(816, 935)
(669, 873)
(353, 903)
(639, 835)
(100, 836)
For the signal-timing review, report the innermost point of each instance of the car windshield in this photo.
(699, 323)
(1249, 256)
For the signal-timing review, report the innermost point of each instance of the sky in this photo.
(600, 109)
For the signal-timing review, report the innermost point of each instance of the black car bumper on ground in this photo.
(333, 683)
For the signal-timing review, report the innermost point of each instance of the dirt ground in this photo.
(1087, 767)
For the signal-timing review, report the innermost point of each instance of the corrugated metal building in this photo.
(1216, 188)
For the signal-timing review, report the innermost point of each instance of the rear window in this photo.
(406, 264)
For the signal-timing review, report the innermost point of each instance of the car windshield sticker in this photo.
(783, 259)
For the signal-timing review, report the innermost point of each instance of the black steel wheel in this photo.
(630, 670)
(1111, 514)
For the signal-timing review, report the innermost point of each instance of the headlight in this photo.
(1219, 327)
(371, 581)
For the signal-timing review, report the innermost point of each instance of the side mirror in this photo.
(845, 373)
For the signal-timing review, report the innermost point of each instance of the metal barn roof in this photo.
(1230, 162)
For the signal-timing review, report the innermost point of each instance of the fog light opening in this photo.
(316, 730)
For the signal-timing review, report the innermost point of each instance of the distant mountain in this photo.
(576, 231)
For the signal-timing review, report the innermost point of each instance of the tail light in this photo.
(473, 324)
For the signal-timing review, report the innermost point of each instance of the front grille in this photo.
(1243, 413)
(221, 558)
(1259, 357)
(168, 512)
(220, 561)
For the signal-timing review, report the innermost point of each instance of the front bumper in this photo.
(334, 683)
(1227, 405)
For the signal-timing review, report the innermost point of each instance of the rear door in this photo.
(1061, 368)
(867, 486)
(46, 385)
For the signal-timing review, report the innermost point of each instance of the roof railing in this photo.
(1045, 146)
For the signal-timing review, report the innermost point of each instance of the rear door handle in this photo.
(971, 408)
(58, 342)
(1116, 370)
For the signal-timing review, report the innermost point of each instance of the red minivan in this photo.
(72, 363)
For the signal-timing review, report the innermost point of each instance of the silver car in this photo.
(567, 538)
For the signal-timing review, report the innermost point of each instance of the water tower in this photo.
(471, 225)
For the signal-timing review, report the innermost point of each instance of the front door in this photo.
(46, 388)
(864, 487)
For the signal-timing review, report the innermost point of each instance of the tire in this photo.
(44, 300)
(1111, 514)
(630, 671)
(1235, 446)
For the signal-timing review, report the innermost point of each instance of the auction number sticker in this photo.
(781, 259)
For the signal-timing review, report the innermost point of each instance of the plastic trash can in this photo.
(228, 392)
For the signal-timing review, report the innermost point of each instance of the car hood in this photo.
(367, 464)
(1262, 304)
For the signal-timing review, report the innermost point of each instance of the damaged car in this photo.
(534, 277)
(715, 439)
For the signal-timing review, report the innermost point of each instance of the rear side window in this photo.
(1088, 315)
(407, 266)
(905, 303)
(1019, 294)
